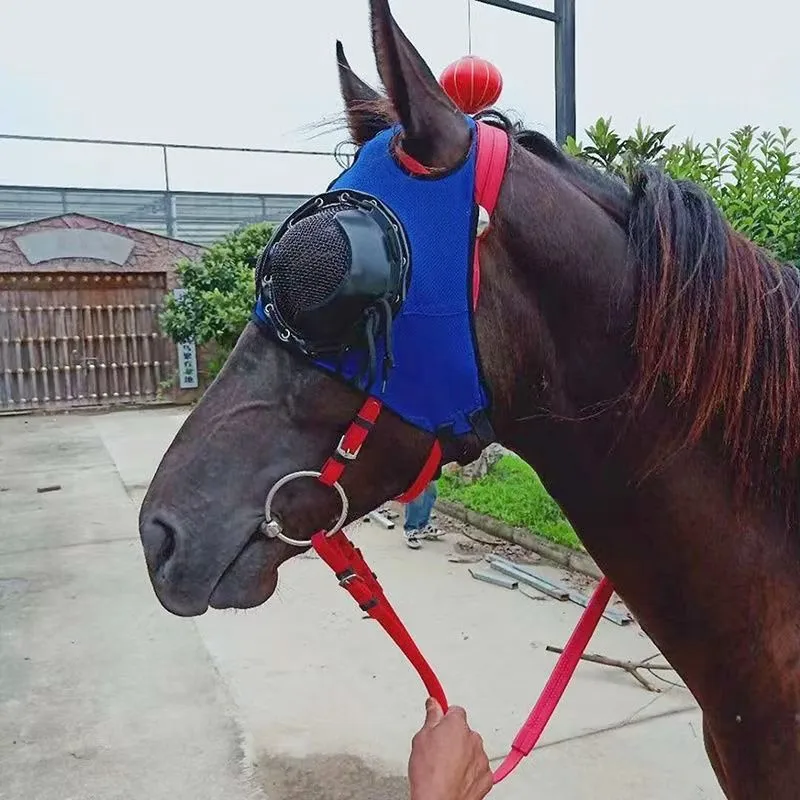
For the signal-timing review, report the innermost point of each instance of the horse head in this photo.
(613, 336)
(280, 404)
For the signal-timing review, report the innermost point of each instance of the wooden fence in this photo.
(82, 340)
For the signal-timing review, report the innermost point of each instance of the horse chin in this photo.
(251, 578)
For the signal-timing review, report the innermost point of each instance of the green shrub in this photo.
(611, 153)
(219, 292)
(751, 176)
(513, 493)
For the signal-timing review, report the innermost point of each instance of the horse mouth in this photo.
(251, 578)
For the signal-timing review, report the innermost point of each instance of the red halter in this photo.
(346, 561)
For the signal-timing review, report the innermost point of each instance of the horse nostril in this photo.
(159, 539)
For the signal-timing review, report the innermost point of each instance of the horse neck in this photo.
(674, 542)
(714, 585)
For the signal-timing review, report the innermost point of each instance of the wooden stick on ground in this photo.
(631, 667)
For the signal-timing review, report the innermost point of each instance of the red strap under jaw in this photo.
(353, 440)
(351, 443)
(425, 476)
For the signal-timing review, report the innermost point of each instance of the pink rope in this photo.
(540, 715)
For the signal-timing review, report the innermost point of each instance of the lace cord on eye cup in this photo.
(376, 324)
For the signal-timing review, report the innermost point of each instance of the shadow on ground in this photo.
(328, 777)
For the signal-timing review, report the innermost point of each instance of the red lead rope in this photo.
(355, 575)
(345, 559)
(559, 678)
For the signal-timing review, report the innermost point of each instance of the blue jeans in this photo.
(418, 512)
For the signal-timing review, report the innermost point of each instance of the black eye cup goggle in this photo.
(373, 283)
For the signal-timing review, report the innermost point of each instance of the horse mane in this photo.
(718, 327)
(717, 319)
(608, 191)
(717, 323)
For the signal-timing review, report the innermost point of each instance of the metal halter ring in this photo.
(272, 529)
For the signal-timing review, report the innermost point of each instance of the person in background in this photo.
(418, 518)
(448, 760)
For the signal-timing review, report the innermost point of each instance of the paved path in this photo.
(104, 695)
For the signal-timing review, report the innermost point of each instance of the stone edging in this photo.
(571, 559)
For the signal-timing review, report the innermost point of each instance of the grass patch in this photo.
(513, 493)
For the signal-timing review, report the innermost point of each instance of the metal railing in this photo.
(197, 217)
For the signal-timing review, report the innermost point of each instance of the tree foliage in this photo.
(219, 290)
(751, 175)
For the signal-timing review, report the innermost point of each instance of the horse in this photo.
(638, 353)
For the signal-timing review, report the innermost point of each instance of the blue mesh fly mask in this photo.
(375, 281)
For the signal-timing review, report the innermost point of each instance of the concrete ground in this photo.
(104, 695)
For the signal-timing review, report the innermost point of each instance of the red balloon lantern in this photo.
(472, 83)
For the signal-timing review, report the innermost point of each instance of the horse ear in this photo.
(435, 131)
(362, 103)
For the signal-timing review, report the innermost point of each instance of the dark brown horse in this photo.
(642, 357)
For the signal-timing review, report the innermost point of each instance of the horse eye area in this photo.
(308, 264)
(334, 275)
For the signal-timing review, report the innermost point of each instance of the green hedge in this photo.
(750, 174)
(219, 292)
(513, 493)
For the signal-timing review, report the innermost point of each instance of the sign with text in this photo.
(187, 356)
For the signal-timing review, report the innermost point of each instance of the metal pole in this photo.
(563, 19)
(166, 167)
(565, 69)
(169, 199)
(521, 8)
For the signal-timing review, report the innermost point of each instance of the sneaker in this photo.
(412, 541)
(431, 532)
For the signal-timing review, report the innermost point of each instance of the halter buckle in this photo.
(346, 576)
(343, 452)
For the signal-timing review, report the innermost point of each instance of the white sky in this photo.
(259, 73)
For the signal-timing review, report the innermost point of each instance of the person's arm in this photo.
(447, 760)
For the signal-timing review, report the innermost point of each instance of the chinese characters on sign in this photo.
(187, 356)
(187, 365)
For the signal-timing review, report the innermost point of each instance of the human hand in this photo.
(447, 760)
